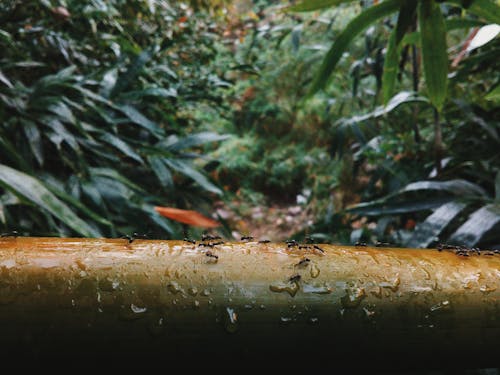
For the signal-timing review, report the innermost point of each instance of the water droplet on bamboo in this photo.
(353, 298)
(231, 321)
(137, 309)
(174, 287)
(314, 270)
(318, 289)
(285, 320)
(196, 305)
(444, 305)
(487, 289)
(290, 288)
(193, 291)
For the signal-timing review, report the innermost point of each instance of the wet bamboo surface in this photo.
(346, 307)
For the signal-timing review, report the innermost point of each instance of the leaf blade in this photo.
(434, 51)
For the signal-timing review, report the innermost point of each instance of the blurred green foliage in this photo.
(95, 114)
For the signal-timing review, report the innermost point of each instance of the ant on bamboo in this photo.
(303, 262)
(13, 233)
(246, 238)
(294, 278)
(133, 237)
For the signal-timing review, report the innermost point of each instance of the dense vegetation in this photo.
(108, 109)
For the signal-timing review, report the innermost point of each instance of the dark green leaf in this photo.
(161, 171)
(478, 224)
(494, 95)
(192, 173)
(391, 62)
(35, 192)
(310, 5)
(354, 28)
(132, 72)
(196, 140)
(138, 118)
(434, 51)
(486, 9)
(462, 23)
(114, 175)
(387, 207)
(34, 139)
(427, 232)
(400, 98)
(121, 145)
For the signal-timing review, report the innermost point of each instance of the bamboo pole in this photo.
(391, 307)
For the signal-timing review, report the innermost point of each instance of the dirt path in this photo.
(275, 223)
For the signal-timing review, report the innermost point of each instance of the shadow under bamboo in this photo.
(384, 307)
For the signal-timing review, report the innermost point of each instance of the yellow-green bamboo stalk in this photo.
(392, 307)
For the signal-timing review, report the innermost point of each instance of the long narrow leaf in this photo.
(434, 51)
(478, 224)
(427, 232)
(119, 144)
(354, 28)
(35, 192)
(487, 9)
(310, 5)
(192, 173)
(406, 15)
(196, 140)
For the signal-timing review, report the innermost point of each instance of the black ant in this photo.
(189, 240)
(302, 247)
(292, 243)
(217, 243)
(211, 255)
(264, 241)
(303, 262)
(382, 244)
(360, 244)
(319, 248)
(246, 238)
(134, 236)
(13, 233)
(294, 278)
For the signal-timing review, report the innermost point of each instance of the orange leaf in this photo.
(187, 217)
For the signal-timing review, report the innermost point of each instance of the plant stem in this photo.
(438, 141)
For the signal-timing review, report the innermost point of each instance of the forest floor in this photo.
(276, 222)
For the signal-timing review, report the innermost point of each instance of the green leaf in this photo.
(398, 99)
(354, 28)
(406, 16)
(35, 192)
(138, 118)
(494, 95)
(486, 9)
(427, 232)
(112, 174)
(34, 139)
(402, 201)
(132, 72)
(161, 171)
(478, 224)
(121, 145)
(76, 203)
(434, 51)
(497, 187)
(192, 173)
(196, 140)
(462, 23)
(310, 5)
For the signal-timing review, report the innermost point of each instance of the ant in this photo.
(189, 240)
(360, 244)
(217, 243)
(294, 278)
(291, 243)
(303, 262)
(211, 255)
(133, 237)
(304, 247)
(382, 244)
(13, 233)
(264, 241)
(319, 248)
(246, 238)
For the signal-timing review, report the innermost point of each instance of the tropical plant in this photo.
(94, 108)
(396, 166)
